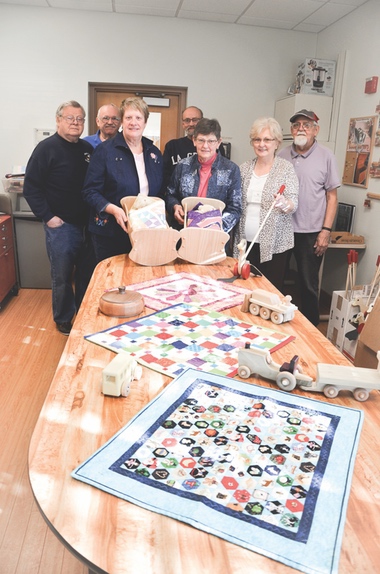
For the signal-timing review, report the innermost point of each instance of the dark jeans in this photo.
(308, 265)
(273, 270)
(105, 247)
(71, 260)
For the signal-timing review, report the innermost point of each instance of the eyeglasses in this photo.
(305, 126)
(201, 141)
(189, 120)
(113, 119)
(73, 119)
(258, 141)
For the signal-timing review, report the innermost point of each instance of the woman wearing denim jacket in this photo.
(125, 165)
(206, 174)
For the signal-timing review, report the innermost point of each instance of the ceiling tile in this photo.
(313, 28)
(211, 17)
(266, 23)
(93, 5)
(235, 7)
(27, 2)
(135, 5)
(328, 14)
(285, 10)
(349, 2)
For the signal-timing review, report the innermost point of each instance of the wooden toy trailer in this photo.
(331, 379)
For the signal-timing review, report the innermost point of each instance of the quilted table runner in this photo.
(263, 469)
(161, 292)
(187, 336)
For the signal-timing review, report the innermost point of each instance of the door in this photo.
(169, 116)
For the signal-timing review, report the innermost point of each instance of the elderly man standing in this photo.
(53, 183)
(108, 122)
(318, 176)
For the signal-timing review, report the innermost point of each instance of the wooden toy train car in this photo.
(270, 306)
(330, 378)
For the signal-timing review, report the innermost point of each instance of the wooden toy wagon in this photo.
(155, 243)
(330, 379)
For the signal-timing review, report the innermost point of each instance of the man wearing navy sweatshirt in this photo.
(53, 182)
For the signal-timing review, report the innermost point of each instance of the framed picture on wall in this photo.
(360, 142)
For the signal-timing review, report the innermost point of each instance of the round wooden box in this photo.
(121, 303)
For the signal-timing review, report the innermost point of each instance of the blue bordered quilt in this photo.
(266, 470)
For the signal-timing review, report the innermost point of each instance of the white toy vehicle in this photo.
(270, 306)
(330, 378)
(118, 375)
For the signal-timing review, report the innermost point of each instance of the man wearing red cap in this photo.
(318, 176)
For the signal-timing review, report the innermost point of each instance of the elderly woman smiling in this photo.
(206, 174)
(262, 178)
(125, 165)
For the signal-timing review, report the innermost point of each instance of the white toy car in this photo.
(330, 378)
(270, 306)
(118, 375)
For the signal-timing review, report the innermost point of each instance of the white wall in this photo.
(358, 35)
(234, 73)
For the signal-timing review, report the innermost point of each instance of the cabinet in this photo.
(320, 105)
(8, 280)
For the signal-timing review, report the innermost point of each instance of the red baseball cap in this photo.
(305, 113)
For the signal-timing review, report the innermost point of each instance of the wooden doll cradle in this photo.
(162, 245)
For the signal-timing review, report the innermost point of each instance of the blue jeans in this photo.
(308, 265)
(105, 247)
(71, 261)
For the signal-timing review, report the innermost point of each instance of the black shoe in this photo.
(64, 328)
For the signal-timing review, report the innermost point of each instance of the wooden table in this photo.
(114, 536)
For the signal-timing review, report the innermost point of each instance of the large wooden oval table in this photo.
(114, 536)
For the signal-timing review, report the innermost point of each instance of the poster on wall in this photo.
(360, 141)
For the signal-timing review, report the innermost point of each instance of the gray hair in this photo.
(106, 106)
(205, 127)
(266, 123)
(68, 104)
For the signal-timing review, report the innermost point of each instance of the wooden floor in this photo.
(30, 348)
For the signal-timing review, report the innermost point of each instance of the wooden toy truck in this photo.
(118, 375)
(269, 306)
(330, 378)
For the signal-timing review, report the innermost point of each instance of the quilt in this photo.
(161, 292)
(261, 468)
(187, 336)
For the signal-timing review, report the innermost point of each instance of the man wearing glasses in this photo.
(53, 183)
(318, 176)
(108, 122)
(178, 149)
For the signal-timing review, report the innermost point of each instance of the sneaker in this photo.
(64, 328)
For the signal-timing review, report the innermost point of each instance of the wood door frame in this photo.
(141, 90)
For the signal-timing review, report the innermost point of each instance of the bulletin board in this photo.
(360, 142)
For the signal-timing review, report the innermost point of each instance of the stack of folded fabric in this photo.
(147, 213)
(204, 216)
